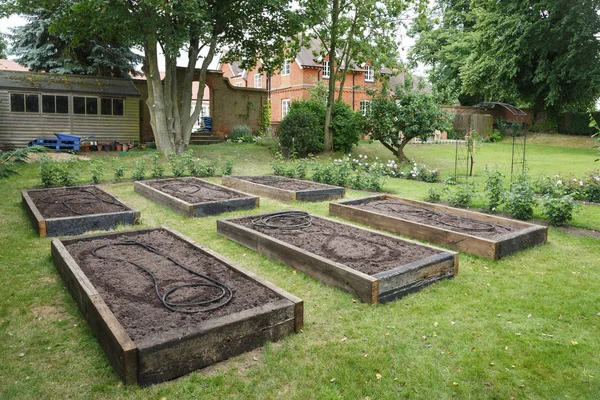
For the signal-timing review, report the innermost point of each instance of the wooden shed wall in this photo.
(17, 129)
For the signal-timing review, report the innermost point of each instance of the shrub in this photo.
(97, 170)
(494, 190)
(429, 175)
(178, 164)
(462, 195)
(290, 169)
(228, 167)
(49, 174)
(158, 170)
(139, 172)
(434, 195)
(577, 123)
(519, 200)
(203, 168)
(300, 133)
(558, 210)
(345, 125)
(119, 173)
(592, 189)
(240, 131)
(67, 172)
(496, 136)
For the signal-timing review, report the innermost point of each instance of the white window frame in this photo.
(285, 108)
(365, 105)
(286, 68)
(326, 70)
(239, 84)
(369, 74)
(258, 79)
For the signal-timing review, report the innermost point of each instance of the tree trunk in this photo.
(346, 57)
(400, 151)
(328, 135)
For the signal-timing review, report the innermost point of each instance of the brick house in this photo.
(298, 76)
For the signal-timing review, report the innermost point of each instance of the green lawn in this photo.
(522, 327)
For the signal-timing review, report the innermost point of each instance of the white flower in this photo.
(415, 164)
(580, 183)
(558, 182)
(395, 166)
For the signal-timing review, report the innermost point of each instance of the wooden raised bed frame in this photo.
(77, 224)
(378, 288)
(247, 202)
(164, 356)
(527, 236)
(327, 193)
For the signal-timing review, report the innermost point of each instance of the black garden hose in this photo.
(210, 304)
(284, 220)
(95, 199)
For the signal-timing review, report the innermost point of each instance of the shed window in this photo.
(111, 106)
(85, 105)
(21, 102)
(52, 104)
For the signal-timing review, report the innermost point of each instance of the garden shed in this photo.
(34, 105)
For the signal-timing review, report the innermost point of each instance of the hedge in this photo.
(577, 123)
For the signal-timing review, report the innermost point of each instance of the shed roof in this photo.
(15, 80)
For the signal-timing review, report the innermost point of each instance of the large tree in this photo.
(538, 53)
(43, 51)
(352, 32)
(3, 45)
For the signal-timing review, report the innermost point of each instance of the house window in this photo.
(85, 105)
(285, 70)
(258, 80)
(326, 69)
(365, 106)
(52, 104)
(238, 84)
(20, 102)
(285, 107)
(111, 106)
(369, 74)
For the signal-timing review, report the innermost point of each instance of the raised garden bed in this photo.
(149, 340)
(373, 266)
(471, 232)
(284, 189)
(74, 210)
(195, 197)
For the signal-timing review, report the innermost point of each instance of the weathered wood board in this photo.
(247, 202)
(526, 236)
(328, 192)
(76, 225)
(378, 288)
(163, 356)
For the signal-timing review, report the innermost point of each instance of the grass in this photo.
(524, 327)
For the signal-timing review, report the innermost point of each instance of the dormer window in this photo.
(326, 69)
(369, 74)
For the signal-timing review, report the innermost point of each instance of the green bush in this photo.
(300, 132)
(139, 172)
(519, 200)
(558, 210)
(434, 195)
(49, 174)
(119, 173)
(494, 190)
(97, 170)
(228, 167)
(577, 123)
(158, 170)
(462, 195)
(345, 125)
(240, 131)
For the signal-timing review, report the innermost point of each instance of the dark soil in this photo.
(193, 190)
(356, 248)
(281, 182)
(440, 219)
(74, 201)
(129, 291)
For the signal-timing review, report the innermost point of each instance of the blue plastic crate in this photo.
(67, 138)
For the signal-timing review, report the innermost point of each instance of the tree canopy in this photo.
(41, 50)
(538, 53)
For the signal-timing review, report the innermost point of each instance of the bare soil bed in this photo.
(74, 201)
(195, 197)
(194, 190)
(282, 182)
(374, 266)
(162, 306)
(442, 219)
(284, 189)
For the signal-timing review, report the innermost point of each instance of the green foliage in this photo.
(558, 210)
(203, 168)
(520, 200)
(42, 49)
(434, 195)
(462, 195)
(12, 159)
(158, 170)
(344, 173)
(264, 122)
(58, 173)
(577, 123)
(411, 114)
(291, 169)
(97, 170)
(227, 167)
(496, 136)
(139, 172)
(119, 173)
(240, 131)
(548, 126)
(48, 172)
(300, 131)
(345, 125)
(494, 190)
(178, 164)
(489, 49)
(3, 45)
